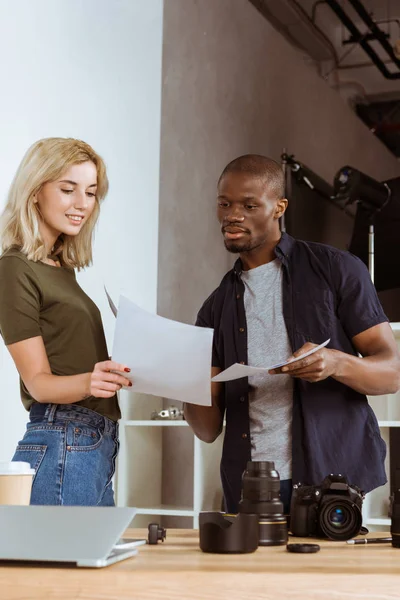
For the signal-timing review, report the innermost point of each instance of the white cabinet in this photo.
(387, 411)
(140, 465)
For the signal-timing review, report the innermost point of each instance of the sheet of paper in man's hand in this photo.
(166, 358)
(237, 371)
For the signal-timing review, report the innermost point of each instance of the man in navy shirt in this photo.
(282, 298)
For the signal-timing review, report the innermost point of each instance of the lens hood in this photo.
(228, 534)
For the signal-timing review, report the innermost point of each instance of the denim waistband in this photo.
(53, 413)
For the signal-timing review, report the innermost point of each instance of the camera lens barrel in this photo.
(261, 496)
(273, 530)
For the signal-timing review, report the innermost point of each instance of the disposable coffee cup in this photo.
(15, 482)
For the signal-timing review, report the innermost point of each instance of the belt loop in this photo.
(51, 410)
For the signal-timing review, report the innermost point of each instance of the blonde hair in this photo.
(44, 162)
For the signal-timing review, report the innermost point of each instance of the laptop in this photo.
(83, 535)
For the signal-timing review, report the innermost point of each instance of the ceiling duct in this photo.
(294, 24)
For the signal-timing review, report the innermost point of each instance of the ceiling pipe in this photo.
(360, 38)
(362, 65)
(375, 29)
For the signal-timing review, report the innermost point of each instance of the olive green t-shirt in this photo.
(37, 299)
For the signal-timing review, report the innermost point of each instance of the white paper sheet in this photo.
(111, 303)
(236, 371)
(166, 358)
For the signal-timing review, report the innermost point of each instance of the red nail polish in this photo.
(127, 370)
(130, 384)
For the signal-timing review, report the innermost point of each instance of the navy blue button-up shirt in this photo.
(327, 293)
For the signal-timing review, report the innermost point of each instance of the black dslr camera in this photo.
(332, 509)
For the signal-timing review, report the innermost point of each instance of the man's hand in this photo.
(315, 367)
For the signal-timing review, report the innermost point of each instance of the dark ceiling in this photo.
(383, 119)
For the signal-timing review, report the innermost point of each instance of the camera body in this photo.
(332, 509)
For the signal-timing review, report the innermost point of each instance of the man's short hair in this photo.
(259, 166)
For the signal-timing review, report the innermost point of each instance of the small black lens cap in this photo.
(303, 548)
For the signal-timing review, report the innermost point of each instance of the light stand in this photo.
(285, 174)
(303, 174)
(371, 251)
(295, 173)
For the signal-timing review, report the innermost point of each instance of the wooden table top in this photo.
(177, 569)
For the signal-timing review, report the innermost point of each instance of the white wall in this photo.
(90, 70)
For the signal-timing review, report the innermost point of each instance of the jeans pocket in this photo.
(31, 454)
(83, 438)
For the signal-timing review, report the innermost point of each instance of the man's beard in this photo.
(242, 248)
(237, 248)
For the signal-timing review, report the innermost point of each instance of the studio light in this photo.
(376, 232)
(351, 185)
(371, 228)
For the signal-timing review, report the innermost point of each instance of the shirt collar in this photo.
(282, 250)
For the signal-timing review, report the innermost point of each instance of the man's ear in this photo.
(280, 208)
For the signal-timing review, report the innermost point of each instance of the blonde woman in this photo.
(53, 330)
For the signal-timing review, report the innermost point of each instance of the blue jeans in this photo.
(73, 451)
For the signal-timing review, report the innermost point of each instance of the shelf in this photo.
(143, 437)
(155, 423)
(166, 510)
(377, 521)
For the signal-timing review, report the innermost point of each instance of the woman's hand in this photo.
(105, 381)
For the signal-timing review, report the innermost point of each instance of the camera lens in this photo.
(340, 520)
(261, 496)
(338, 517)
